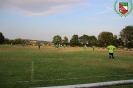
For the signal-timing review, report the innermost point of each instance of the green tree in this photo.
(126, 34)
(84, 39)
(2, 38)
(26, 41)
(57, 39)
(65, 40)
(74, 40)
(93, 40)
(105, 38)
(121, 43)
(6, 41)
(18, 41)
(117, 41)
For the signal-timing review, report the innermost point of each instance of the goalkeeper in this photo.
(111, 51)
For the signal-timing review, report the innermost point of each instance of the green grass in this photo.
(56, 67)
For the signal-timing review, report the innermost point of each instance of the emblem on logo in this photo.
(123, 8)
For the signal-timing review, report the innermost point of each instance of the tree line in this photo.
(125, 38)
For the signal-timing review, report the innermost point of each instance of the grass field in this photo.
(23, 67)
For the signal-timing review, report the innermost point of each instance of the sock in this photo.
(110, 57)
(113, 57)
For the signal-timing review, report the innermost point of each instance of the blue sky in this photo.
(43, 19)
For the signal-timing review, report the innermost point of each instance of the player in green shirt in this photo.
(22, 44)
(56, 46)
(64, 46)
(111, 51)
(93, 47)
(39, 46)
(85, 47)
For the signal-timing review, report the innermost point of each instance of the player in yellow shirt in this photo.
(111, 51)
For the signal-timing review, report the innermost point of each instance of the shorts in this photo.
(110, 53)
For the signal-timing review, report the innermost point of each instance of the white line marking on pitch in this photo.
(32, 71)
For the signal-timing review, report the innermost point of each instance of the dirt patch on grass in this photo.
(8, 50)
(117, 53)
(124, 53)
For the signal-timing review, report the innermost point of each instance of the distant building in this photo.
(33, 41)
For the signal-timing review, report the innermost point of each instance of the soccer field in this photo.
(23, 67)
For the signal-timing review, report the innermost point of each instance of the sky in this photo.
(44, 19)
